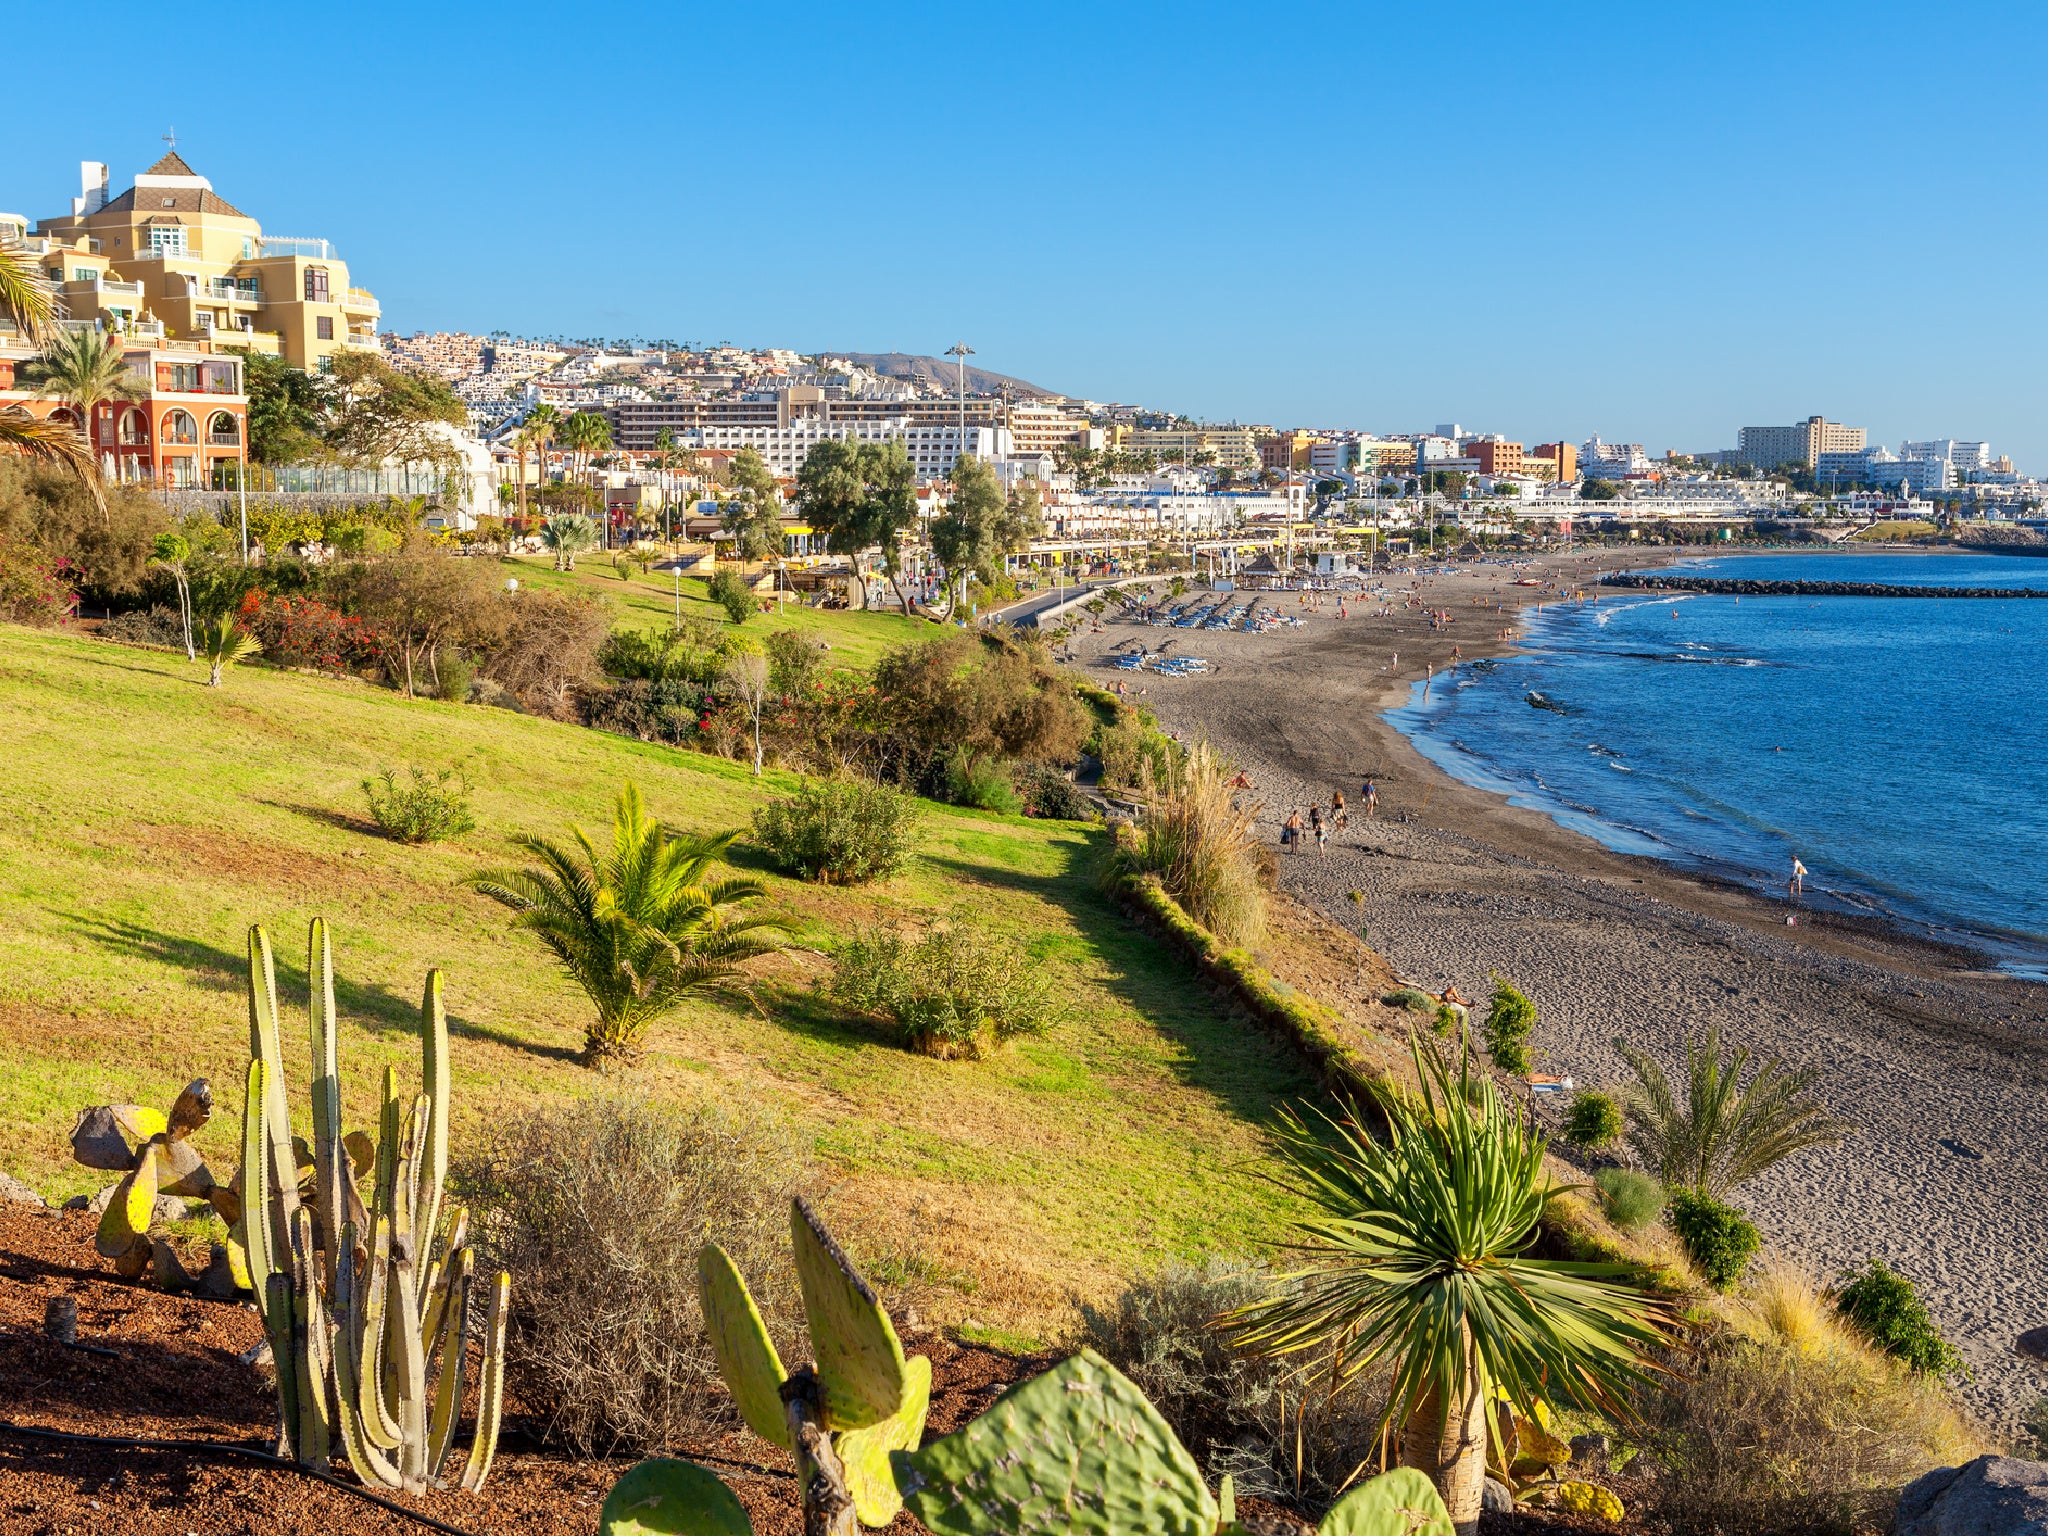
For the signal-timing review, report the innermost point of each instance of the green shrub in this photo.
(431, 807)
(980, 782)
(953, 991)
(1048, 792)
(838, 831)
(1719, 1238)
(452, 675)
(1631, 1200)
(1882, 1303)
(1128, 749)
(1508, 1023)
(1595, 1120)
(731, 592)
(1203, 845)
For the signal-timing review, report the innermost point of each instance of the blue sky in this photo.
(1654, 223)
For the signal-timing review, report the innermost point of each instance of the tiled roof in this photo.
(173, 200)
(172, 164)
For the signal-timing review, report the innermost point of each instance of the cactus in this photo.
(1583, 1498)
(661, 1497)
(366, 1306)
(154, 1153)
(864, 1453)
(746, 1355)
(1403, 1502)
(1077, 1449)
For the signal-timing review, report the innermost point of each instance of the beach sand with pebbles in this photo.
(1940, 1064)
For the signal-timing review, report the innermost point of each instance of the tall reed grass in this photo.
(1197, 836)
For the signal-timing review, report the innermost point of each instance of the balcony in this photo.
(115, 285)
(362, 301)
(362, 343)
(293, 245)
(233, 292)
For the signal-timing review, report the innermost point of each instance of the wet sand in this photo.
(1939, 1063)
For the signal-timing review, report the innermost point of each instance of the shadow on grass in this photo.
(1221, 1053)
(341, 821)
(383, 1011)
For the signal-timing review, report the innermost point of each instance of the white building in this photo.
(932, 449)
(1612, 461)
(1964, 456)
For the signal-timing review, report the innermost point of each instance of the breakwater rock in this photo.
(1740, 588)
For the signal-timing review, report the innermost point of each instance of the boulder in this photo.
(1991, 1496)
(1591, 1450)
(97, 1142)
(168, 1207)
(1496, 1499)
(13, 1189)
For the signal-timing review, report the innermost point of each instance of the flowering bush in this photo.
(305, 632)
(35, 588)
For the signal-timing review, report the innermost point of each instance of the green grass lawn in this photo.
(148, 820)
(649, 602)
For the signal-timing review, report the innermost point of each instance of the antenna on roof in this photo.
(171, 138)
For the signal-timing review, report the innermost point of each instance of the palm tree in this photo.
(26, 295)
(222, 643)
(568, 534)
(542, 423)
(1419, 1257)
(29, 298)
(1723, 1134)
(640, 928)
(85, 370)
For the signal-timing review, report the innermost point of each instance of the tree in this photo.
(536, 430)
(568, 534)
(586, 433)
(863, 495)
(1598, 490)
(284, 409)
(1722, 1134)
(26, 294)
(754, 515)
(1419, 1257)
(419, 600)
(171, 551)
(222, 643)
(640, 928)
(980, 525)
(730, 591)
(746, 678)
(85, 370)
(376, 414)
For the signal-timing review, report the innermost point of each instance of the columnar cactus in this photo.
(366, 1307)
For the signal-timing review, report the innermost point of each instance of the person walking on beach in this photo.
(1337, 812)
(1371, 797)
(1291, 833)
(1315, 821)
(1798, 881)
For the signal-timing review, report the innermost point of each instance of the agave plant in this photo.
(640, 928)
(1720, 1134)
(1419, 1256)
(222, 643)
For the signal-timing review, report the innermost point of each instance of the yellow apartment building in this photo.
(171, 259)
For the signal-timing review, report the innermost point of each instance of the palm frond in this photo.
(26, 294)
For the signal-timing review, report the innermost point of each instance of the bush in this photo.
(1631, 1200)
(453, 673)
(431, 807)
(1719, 1238)
(598, 1208)
(1788, 1423)
(988, 694)
(980, 782)
(659, 711)
(1508, 1023)
(159, 627)
(730, 591)
(1239, 1414)
(955, 991)
(1200, 843)
(838, 831)
(1882, 1303)
(1127, 747)
(305, 632)
(549, 648)
(35, 588)
(1048, 792)
(1594, 1121)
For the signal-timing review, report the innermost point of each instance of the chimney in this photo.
(92, 181)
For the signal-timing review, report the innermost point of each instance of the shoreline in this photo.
(1941, 1063)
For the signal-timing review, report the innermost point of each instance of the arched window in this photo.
(179, 427)
(65, 416)
(223, 431)
(134, 428)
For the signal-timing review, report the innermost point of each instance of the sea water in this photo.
(1897, 746)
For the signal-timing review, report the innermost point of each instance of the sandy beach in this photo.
(1940, 1063)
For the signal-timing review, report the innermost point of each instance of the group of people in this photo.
(1321, 823)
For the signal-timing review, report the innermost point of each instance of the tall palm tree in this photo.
(28, 297)
(540, 428)
(85, 370)
(1419, 1256)
(1721, 1134)
(641, 927)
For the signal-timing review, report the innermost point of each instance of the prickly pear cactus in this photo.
(860, 1359)
(663, 1497)
(865, 1452)
(1077, 1449)
(1399, 1503)
(124, 1225)
(747, 1359)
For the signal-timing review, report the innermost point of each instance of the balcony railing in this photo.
(294, 245)
(361, 298)
(243, 293)
(115, 285)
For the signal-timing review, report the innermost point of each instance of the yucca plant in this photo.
(222, 643)
(1720, 1134)
(568, 534)
(640, 928)
(1418, 1257)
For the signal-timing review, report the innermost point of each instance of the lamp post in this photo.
(962, 351)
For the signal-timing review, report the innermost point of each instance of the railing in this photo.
(366, 343)
(362, 298)
(223, 288)
(215, 440)
(295, 245)
(115, 285)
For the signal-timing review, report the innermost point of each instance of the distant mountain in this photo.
(942, 371)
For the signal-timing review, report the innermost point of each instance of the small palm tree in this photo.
(640, 928)
(1721, 1134)
(1419, 1256)
(568, 534)
(222, 643)
(26, 294)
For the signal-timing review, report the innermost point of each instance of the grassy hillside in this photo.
(148, 820)
(649, 602)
